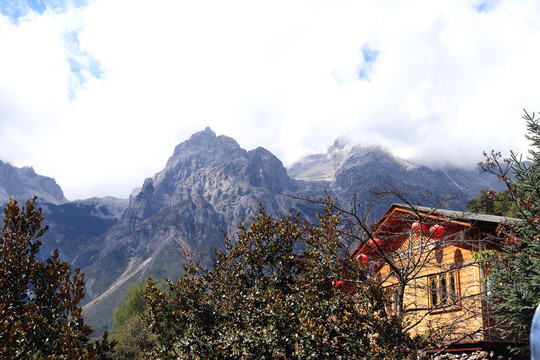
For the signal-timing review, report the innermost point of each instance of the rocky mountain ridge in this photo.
(324, 166)
(23, 183)
(208, 184)
(347, 167)
(76, 228)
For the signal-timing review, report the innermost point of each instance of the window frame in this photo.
(444, 291)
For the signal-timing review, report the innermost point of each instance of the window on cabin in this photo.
(443, 289)
(433, 290)
(452, 285)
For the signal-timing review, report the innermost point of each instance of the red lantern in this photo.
(372, 243)
(362, 257)
(337, 283)
(416, 227)
(436, 231)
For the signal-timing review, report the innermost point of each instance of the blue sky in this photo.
(368, 58)
(97, 93)
(17, 9)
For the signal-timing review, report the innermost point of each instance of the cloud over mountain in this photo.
(113, 85)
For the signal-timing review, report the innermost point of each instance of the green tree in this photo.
(283, 289)
(492, 203)
(39, 313)
(130, 328)
(134, 304)
(514, 282)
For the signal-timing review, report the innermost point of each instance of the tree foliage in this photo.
(283, 289)
(130, 328)
(514, 282)
(39, 312)
(134, 304)
(487, 203)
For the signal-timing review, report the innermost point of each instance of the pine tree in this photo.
(487, 203)
(39, 313)
(514, 282)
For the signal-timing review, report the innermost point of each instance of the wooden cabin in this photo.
(428, 260)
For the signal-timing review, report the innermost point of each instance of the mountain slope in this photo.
(77, 229)
(23, 183)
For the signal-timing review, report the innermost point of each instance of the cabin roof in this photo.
(463, 215)
(398, 218)
(449, 215)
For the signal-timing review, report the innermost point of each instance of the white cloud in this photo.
(448, 81)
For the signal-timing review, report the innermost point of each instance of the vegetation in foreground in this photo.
(514, 281)
(39, 313)
(282, 290)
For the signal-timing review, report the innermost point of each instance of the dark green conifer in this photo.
(514, 282)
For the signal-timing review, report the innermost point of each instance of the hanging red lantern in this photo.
(417, 227)
(371, 243)
(362, 257)
(436, 231)
(337, 283)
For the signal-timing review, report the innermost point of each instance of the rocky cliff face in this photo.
(209, 183)
(212, 168)
(23, 183)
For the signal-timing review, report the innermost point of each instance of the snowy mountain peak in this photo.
(342, 154)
